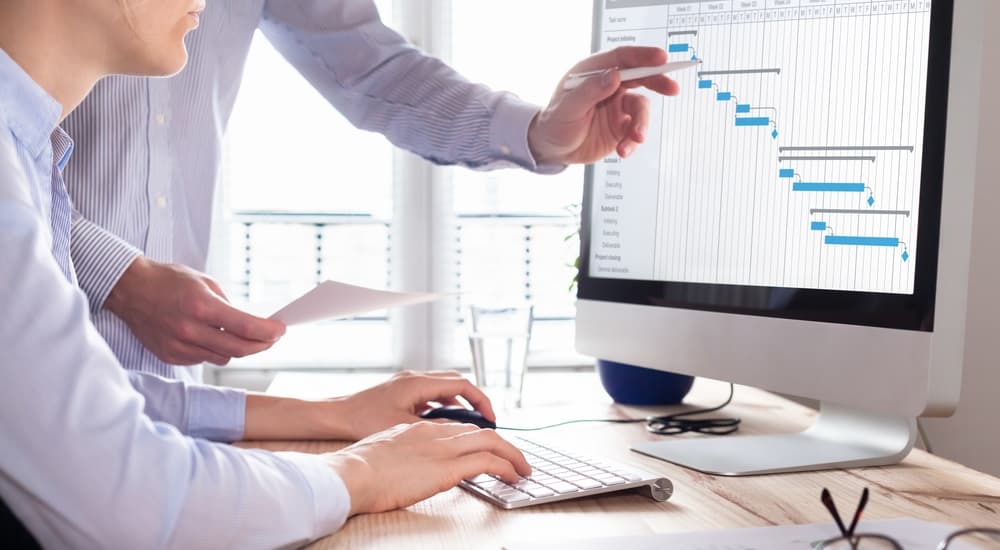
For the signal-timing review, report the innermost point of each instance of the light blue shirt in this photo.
(81, 465)
(149, 150)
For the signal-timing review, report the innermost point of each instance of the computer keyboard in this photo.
(561, 474)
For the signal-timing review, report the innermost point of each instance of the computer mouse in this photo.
(459, 414)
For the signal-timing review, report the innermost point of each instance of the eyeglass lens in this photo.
(861, 541)
(973, 539)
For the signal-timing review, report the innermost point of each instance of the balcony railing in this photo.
(533, 232)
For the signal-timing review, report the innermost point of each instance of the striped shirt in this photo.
(149, 149)
(81, 465)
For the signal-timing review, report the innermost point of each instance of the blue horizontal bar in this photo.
(752, 121)
(675, 48)
(786, 173)
(862, 241)
(742, 107)
(831, 187)
(818, 226)
(724, 96)
(704, 84)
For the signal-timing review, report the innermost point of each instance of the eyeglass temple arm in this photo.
(828, 502)
(858, 510)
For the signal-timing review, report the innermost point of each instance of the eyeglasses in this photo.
(976, 538)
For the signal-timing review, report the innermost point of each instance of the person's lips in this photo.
(195, 12)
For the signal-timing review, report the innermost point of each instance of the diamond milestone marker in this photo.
(906, 255)
(774, 134)
(871, 200)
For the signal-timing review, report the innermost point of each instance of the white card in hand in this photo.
(331, 300)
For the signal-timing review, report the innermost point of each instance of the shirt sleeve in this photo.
(382, 83)
(99, 257)
(83, 467)
(197, 410)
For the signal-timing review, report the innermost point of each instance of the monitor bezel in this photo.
(898, 311)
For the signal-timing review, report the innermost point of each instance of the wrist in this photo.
(355, 474)
(121, 296)
(536, 146)
(329, 419)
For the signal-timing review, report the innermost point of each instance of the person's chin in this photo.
(169, 60)
(175, 64)
(159, 65)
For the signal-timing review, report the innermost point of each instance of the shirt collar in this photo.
(31, 113)
(62, 148)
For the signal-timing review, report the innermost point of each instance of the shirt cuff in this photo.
(509, 135)
(331, 501)
(100, 258)
(214, 413)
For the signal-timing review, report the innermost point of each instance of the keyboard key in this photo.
(514, 497)
(482, 478)
(587, 483)
(494, 487)
(538, 491)
(562, 487)
(504, 493)
(630, 476)
(610, 480)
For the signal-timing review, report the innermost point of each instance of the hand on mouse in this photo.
(402, 398)
(410, 462)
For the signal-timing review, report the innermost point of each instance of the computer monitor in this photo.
(799, 218)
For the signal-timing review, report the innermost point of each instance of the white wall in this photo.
(972, 435)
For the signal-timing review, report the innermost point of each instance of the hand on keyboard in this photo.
(411, 462)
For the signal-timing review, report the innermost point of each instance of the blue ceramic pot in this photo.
(632, 385)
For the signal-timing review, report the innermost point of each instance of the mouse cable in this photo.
(670, 424)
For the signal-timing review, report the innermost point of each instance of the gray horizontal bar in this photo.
(682, 33)
(849, 211)
(792, 158)
(846, 148)
(613, 4)
(739, 71)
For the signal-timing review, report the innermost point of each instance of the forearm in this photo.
(382, 83)
(271, 417)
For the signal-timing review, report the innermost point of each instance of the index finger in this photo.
(447, 388)
(243, 324)
(622, 57)
(490, 441)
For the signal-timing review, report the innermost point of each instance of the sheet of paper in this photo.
(911, 533)
(333, 300)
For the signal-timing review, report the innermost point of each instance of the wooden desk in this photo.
(922, 486)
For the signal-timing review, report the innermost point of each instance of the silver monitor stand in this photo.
(842, 437)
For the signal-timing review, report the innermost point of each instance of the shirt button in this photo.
(161, 119)
(504, 149)
(161, 201)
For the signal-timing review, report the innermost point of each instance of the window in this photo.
(518, 230)
(327, 201)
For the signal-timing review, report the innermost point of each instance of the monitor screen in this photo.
(799, 172)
